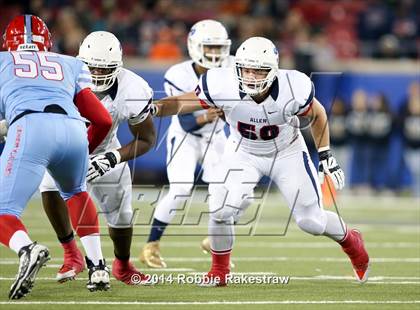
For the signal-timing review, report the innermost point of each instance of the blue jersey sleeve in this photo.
(83, 79)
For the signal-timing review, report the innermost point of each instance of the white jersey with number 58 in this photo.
(264, 128)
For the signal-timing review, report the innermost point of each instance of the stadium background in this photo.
(368, 45)
(362, 56)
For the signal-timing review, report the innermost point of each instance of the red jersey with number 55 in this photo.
(259, 128)
(32, 80)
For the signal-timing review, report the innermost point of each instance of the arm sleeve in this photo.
(100, 120)
(83, 79)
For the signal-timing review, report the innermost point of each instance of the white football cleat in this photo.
(31, 258)
(98, 276)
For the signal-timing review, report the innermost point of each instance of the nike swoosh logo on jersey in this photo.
(271, 112)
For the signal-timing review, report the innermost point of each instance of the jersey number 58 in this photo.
(266, 132)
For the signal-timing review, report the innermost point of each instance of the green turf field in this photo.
(320, 274)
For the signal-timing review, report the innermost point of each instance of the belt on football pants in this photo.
(52, 108)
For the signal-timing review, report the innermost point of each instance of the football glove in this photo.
(154, 109)
(328, 166)
(102, 163)
(3, 130)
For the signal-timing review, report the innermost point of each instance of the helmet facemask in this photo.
(252, 85)
(213, 54)
(103, 76)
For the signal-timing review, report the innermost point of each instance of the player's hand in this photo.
(213, 114)
(102, 163)
(328, 166)
(3, 130)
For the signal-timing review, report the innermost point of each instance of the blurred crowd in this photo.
(374, 143)
(311, 32)
(378, 147)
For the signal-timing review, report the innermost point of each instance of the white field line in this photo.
(242, 302)
(372, 280)
(271, 245)
(8, 261)
(56, 266)
(276, 229)
(296, 258)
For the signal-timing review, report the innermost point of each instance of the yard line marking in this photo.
(171, 303)
(181, 230)
(298, 258)
(271, 245)
(376, 278)
(7, 261)
(321, 245)
(239, 273)
(395, 282)
(372, 280)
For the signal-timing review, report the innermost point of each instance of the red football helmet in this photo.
(27, 32)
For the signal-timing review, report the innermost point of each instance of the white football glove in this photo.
(102, 163)
(3, 130)
(328, 166)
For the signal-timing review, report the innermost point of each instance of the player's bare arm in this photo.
(320, 132)
(144, 138)
(319, 125)
(182, 104)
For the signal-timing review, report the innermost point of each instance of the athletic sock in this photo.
(19, 239)
(158, 228)
(92, 246)
(220, 261)
(13, 232)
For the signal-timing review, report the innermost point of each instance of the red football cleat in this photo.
(74, 264)
(214, 278)
(353, 246)
(125, 271)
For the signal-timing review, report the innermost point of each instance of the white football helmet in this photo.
(101, 49)
(260, 54)
(208, 33)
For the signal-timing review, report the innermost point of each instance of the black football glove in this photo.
(328, 166)
(102, 163)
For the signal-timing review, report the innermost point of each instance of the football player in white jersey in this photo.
(192, 138)
(262, 104)
(127, 97)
